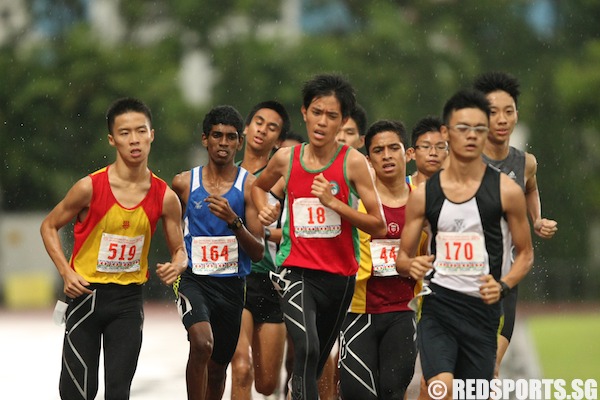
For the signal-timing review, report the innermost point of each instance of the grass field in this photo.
(568, 344)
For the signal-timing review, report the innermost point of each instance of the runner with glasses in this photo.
(469, 207)
(430, 152)
(429, 149)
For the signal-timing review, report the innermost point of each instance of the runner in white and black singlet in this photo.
(469, 207)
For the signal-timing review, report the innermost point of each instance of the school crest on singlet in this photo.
(212, 247)
(112, 243)
(468, 238)
(313, 235)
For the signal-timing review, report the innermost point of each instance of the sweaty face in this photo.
(132, 136)
(262, 134)
(503, 117)
(222, 142)
(466, 132)
(349, 135)
(430, 152)
(323, 119)
(387, 155)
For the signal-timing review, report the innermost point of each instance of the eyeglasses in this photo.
(427, 147)
(464, 129)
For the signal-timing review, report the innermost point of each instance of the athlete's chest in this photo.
(130, 196)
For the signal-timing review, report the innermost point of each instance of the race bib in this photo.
(120, 253)
(383, 256)
(313, 220)
(214, 255)
(459, 253)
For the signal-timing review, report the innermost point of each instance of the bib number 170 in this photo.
(459, 251)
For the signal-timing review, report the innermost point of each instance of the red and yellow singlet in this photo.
(112, 243)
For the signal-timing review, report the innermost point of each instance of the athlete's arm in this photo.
(407, 263)
(75, 202)
(515, 209)
(544, 228)
(514, 205)
(181, 186)
(359, 175)
(276, 169)
(251, 235)
(279, 193)
(171, 218)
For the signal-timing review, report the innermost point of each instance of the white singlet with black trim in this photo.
(468, 239)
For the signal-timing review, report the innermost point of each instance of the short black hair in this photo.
(278, 108)
(492, 81)
(359, 115)
(426, 124)
(466, 98)
(291, 135)
(125, 105)
(330, 85)
(385, 125)
(223, 114)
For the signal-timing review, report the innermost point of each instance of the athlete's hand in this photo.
(168, 272)
(75, 285)
(321, 188)
(490, 289)
(220, 207)
(269, 214)
(545, 228)
(419, 266)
